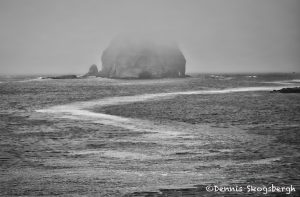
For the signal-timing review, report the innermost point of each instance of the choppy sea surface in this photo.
(162, 137)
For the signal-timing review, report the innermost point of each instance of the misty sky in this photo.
(67, 36)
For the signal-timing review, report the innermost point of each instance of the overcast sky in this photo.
(67, 36)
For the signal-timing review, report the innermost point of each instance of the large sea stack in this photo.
(136, 57)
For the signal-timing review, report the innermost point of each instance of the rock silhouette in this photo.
(288, 90)
(135, 57)
(93, 71)
(62, 77)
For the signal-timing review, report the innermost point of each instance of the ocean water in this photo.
(164, 137)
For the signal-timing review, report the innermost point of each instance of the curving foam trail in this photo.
(176, 153)
(80, 110)
(285, 82)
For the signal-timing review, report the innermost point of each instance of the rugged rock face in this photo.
(132, 57)
(62, 77)
(93, 71)
(288, 90)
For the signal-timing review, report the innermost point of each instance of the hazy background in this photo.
(67, 36)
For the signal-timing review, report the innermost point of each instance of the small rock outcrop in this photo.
(288, 90)
(93, 71)
(136, 57)
(62, 77)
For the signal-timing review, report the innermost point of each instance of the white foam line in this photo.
(29, 80)
(121, 100)
(24, 81)
(80, 110)
(285, 82)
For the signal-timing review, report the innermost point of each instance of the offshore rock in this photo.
(136, 57)
(288, 90)
(62, 77)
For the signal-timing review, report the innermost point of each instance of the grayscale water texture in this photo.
(165, 137)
